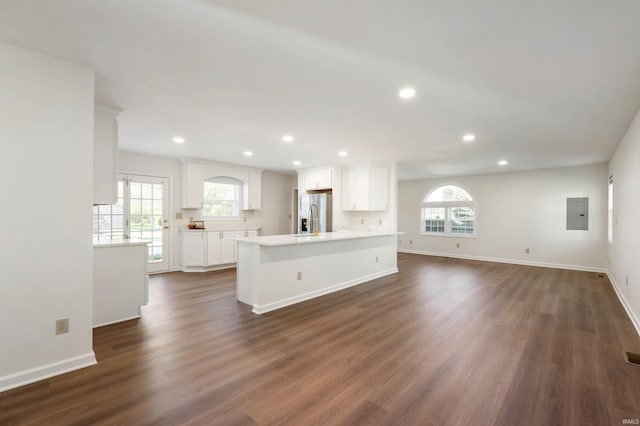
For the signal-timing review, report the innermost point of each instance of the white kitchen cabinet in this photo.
(192, 185)
(220, 249)
(252, 192)
(213, 247)
(316, 179)
(247, 233)
(227, 248)
(365, 189)
(105, 155)
(193, 248)
(378, 188)
(209, 250)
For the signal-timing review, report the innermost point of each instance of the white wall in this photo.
(273, 218)
(516, 211)
(625, 169)
(46, 182)
(276, 215)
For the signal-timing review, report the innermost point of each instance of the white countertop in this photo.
(235, 228)
(283, 240)
(119, 243)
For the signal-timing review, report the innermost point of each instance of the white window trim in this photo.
(447, 205)
(230, 181)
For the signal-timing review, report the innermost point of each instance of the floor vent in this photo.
(632, 358)
(600, 275)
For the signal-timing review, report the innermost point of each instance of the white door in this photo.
(147, 211)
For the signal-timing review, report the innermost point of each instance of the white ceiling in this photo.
(541, 83)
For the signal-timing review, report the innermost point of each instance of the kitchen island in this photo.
(280, 270)
(120, 280)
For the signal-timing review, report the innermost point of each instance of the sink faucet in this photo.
(312, 228)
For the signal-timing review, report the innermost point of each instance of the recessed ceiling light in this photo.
(178, 139)
(503, 163)
(248, 153)
(407, 93)
(342, 153)
(296, 163)
(287, 138)
(469, 137)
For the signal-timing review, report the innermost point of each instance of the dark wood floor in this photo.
(445, 341)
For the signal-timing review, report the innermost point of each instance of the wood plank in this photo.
(444, 341)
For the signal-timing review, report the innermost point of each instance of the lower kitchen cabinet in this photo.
(193, 248)
(220, 249)
(246, 233)
(209, 250)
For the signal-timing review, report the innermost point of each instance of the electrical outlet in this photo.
(627, 279)
(179, 215)
(62, 326)
(458, 245)
(379, 221)
(244, 219)
(527, 251)
(410, 241)
(299, 276)
(377, 259)
(361, 221)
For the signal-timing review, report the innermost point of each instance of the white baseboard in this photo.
(117, 321)
(627, 307)
(257, 309)
(44, 372)
(510, 261)
(206, 268)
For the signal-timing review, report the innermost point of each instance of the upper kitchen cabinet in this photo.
(365, 189)
(316, 179)
(252, 191)
(193, 185)
(105, 154)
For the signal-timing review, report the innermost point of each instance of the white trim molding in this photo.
(623, 301)
(257, 309)
(206, 268)
(46, 371)
(510, 261)
(121, 320)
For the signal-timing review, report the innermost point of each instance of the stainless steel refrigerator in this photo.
(323, 202)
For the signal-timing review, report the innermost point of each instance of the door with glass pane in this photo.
(147, 213)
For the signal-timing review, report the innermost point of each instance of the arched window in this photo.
(221, 197)
(448, 210)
